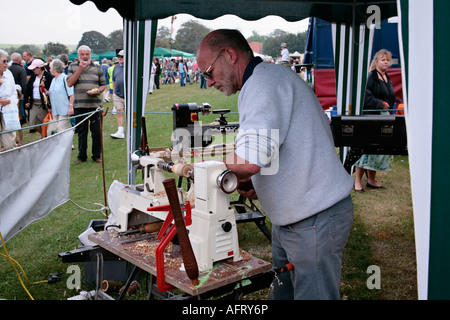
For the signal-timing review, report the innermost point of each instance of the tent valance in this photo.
(342, 11)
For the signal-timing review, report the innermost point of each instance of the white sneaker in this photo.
(114, 111)
(118, 135)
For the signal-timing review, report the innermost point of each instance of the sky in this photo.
(63, 22)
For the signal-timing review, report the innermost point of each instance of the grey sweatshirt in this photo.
(284, 130)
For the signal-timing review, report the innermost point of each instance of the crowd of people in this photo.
(185, 70)
(182, 71)
(49, 86)
(58, 89)
(33, 79)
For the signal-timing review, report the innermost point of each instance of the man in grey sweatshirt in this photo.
(285, 149)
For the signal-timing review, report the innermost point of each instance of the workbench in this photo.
(250, 274)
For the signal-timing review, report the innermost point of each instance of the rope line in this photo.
(53, 121)
(103, 207)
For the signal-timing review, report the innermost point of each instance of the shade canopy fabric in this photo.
(164, 52)
(345, 11)
(107, 55)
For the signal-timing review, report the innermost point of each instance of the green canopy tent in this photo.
(162, 52)
(178, 53)
(107, 55)
(424, 90)
(73, 56)
(167, 53)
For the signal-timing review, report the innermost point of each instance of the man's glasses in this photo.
(208, 72)
(4, 61)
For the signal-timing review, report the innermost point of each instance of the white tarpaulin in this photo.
(34, 180)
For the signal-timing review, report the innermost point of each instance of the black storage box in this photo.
(114, 268)
(372, 133)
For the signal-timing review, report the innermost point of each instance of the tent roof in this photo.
(107, 55)
(163, 52)
(343, 11)
(179, 53)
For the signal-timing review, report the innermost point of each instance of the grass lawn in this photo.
(382, 234)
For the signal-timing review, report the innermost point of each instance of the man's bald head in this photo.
(226, 53)
(219, 39)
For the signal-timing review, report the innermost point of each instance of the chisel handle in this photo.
(150, 227)
(190, 263)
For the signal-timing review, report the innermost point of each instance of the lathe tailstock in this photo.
(213, 232)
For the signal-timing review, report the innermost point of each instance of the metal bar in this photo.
(127, 285)
(99, 277)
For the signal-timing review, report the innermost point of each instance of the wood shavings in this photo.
(160, 194)
(187, 196)
(244, 254)
(173, 263)
(172, 253)
(145, 247)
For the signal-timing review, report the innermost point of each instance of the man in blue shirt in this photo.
(119, 95)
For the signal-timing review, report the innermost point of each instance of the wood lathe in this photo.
(208, 215)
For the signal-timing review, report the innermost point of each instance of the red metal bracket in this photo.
(166, 237)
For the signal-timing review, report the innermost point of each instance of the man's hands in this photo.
(83, 65)
(246, 189)
(96, 91)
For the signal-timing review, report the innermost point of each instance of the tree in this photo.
(163, 38)
(54, 48)
(96, 41)
(115, 39)
(35, 50)
(256, 37)
(272, 44)
(301, 41)
(272, 47)
(190, 35)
